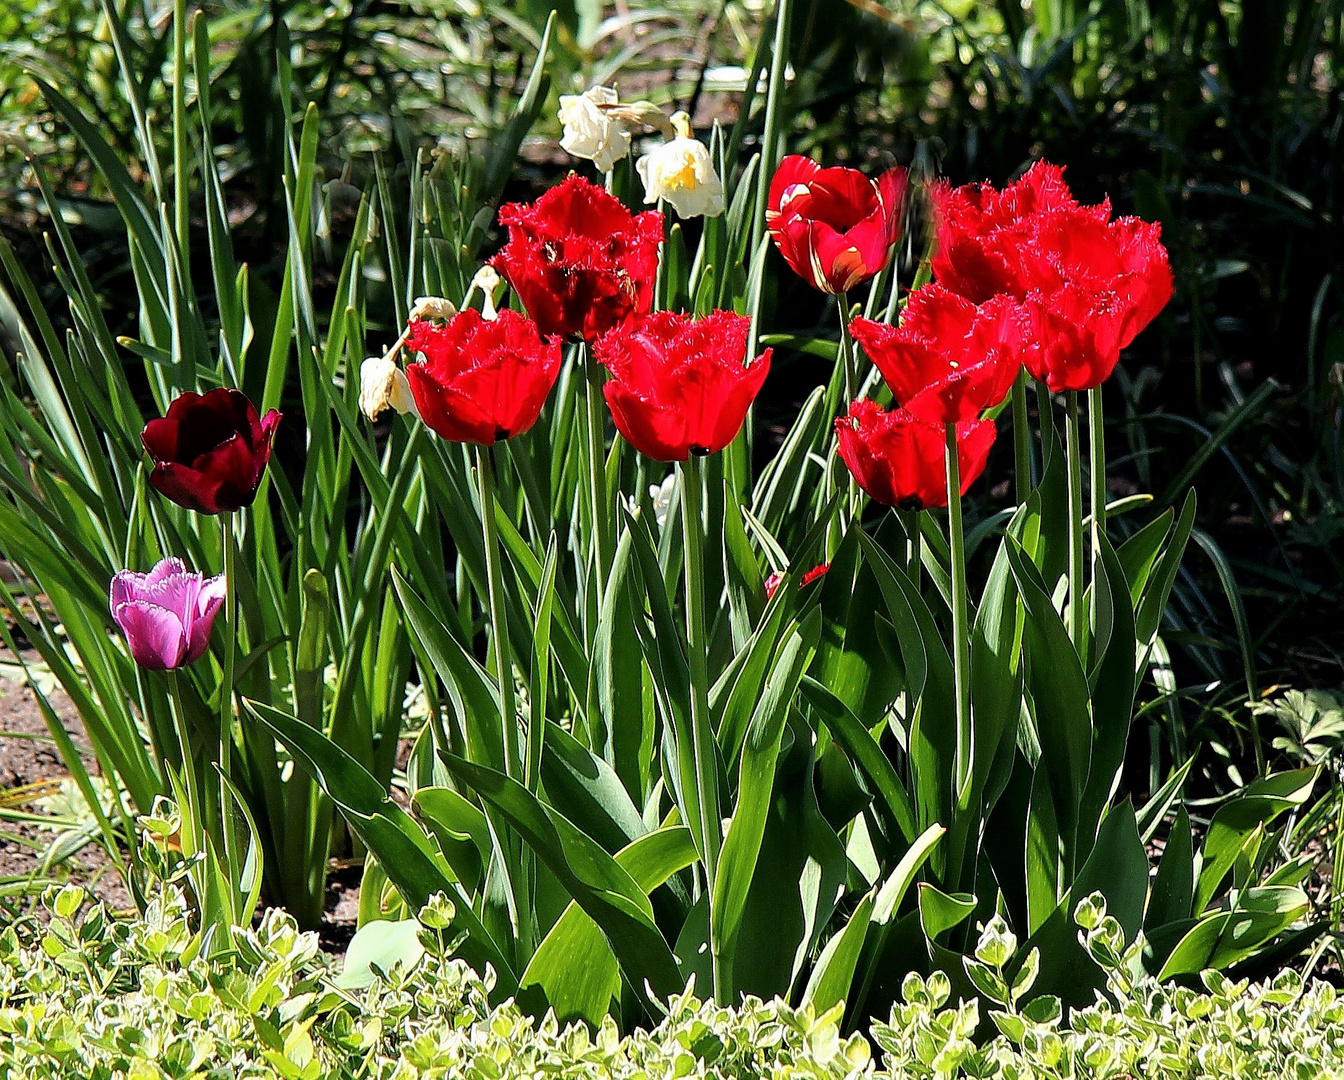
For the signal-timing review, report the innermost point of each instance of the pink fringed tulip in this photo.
(166, 614)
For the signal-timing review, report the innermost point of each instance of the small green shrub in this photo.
(87, 995)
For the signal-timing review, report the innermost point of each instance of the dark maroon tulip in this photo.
(210, 450)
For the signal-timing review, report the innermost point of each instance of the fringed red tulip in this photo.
(580, 262)
(949, 360)
(210, 450)
(1090, 284)
(835, 227)
(482, 380)
(898, 459)
(679, 386)
(981, 234)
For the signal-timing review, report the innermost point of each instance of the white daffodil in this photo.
(383, 385)
(680, 172)
(590, 130)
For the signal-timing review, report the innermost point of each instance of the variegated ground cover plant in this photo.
(93, 996)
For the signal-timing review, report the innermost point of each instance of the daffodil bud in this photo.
(590, 131)
(680, 172)
(383, 385)
(487, 281)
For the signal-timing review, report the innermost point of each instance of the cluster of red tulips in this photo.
(1023, 277)
(584, 267)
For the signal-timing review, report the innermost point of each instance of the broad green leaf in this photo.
(574, 970)
(996, 682)
(1118, 869)
(1138, 554)
(402, 847)
(592, 877)
(1060, 702)
(887, 902)
(1112, 693)
(587, 791)
(1148, 611)
(1226, 937)
(1172, 895)
(470, 687)
(461, 830)
(833, 975)
(618, 674)
(863, 750)
(1257, 805)
(756, 779)
(929, 687)
(940, 912)
(377, 947)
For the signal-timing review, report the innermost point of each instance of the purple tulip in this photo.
(166, 614)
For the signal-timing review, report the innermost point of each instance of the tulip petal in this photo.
(187, 487)
(154, 634)
(208, 603)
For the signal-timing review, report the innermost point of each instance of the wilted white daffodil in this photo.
(590, 130)
(680, 172)
(430, 307)
(383, 385)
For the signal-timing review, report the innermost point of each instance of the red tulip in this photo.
(482, 380)
(1077, 337)
(835, 227)
(210, 450)
(981, 234)
(1090, 284)
(579, 260)
(948, 360)
(898, 459)
(679, 386)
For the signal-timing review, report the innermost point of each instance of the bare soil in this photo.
(31, 767)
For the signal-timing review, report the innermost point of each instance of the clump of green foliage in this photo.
(87, 993)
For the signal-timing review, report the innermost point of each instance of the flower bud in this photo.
(487, 280)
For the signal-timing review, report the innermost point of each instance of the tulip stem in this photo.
(774, 118)
(706, 779)
(597, 470)
(849, 365)
(1075, 469)
(194, 811)
(1096, 444)
(848, 359)
(499, 632)
(499, 643)
(194, 833)
(1021, 438)
(1046, 418)
(227, 542)
(961, 657)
